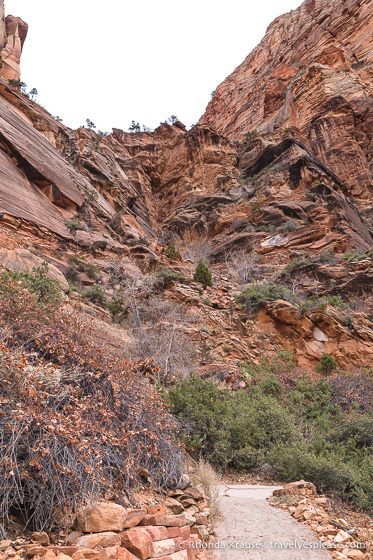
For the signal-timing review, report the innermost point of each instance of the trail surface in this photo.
(248, 519)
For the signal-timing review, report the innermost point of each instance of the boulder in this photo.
(189, 519)
(184, 481)
(195, 493)
(134, 517)
(104, 516)
(138, 541)
(36, 551)
(86, 554)
(342, 537)
(5, 544)
(23, 260)
(173, 505)
(165, 520)
(41, 538)
(162, 533)
(99, 540)
(154, 510)
(164, 548)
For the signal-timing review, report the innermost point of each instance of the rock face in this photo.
(279, 167)
(312, 71)
(13, 32)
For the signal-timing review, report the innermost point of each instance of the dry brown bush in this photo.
(77, 420)
(242, 265)
(155, 323)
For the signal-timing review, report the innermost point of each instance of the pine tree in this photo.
(172, 252)
(202, 274)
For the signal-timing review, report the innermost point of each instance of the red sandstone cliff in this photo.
(312, 71)
(13, 32)
(284, 189)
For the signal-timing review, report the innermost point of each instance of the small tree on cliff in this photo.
(21, 86)
(90, 124)
(202, 274)
(33, 94)
(135, 127)
(172, 252)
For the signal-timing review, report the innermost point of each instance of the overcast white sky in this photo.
(116, 60)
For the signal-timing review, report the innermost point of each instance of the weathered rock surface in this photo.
(104, 516)
(13, 32)
(312, 71)
(23, 260)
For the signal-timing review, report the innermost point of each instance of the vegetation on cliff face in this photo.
(77, 420)
(286, 424)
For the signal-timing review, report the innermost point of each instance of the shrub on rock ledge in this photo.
(202, 274)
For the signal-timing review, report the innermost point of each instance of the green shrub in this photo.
(271, 386)
(287, 227)
(167, 276)
(327, 364)
(202, 274)
(294, 264)
(309, 195)
(257, 294)
(95, 294)
(47, 290)
(348, 321)
(357, 256)
(296, 428)
(229, 421)
(171, 252)
(72, 274)
(74, 225)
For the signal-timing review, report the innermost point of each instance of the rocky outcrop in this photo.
(13, 32)
(312, 71)
(346, 537)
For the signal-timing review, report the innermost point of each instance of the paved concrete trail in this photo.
(248, 518)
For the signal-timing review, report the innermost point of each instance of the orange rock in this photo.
(86, 553)
(165, 520)
(115, 553)
(104, 516)
(99, 540)
(134, 517)
(154, 510)
(138, 541)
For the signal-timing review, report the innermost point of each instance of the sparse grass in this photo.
(211, 482)
(287, 227)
